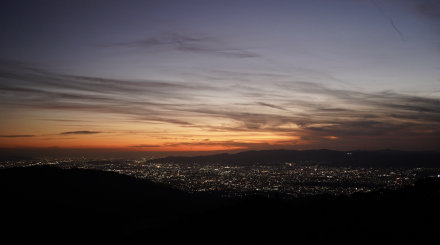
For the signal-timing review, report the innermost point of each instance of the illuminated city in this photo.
(291, 179)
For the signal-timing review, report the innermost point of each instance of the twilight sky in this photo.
(205, 75)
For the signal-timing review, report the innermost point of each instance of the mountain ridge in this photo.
(357, 158)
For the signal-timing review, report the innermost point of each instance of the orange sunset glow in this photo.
(205, 77)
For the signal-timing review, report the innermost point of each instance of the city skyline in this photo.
(206, 76)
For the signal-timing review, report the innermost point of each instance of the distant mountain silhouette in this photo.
(47, 205)
(382, 158)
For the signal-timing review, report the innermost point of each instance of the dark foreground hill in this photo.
(78, 206)
(409, 215)
(52, 206)
(383, 158)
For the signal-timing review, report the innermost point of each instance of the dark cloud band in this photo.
(81, 132)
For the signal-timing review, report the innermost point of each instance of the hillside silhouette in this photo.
(382, 158)
(80, 206)
(402, 216)
(53, 206)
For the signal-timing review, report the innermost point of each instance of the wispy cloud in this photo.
(187, 43)
(388, 18)
(304, 109)
(81, 132)
(270, 105)
(17, 136)
(143, 145)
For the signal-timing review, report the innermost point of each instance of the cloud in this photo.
(64, 120)
(302, 109)
(228, 143)
(388, 18)
(330, 137)
(16, 136)
(143, 145)
(236, 144)
(272, 106)
(81, 132)
(187, 43)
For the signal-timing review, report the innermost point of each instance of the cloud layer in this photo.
(307, 112)
(80, 132)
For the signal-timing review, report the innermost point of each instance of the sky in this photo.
(199, 76)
